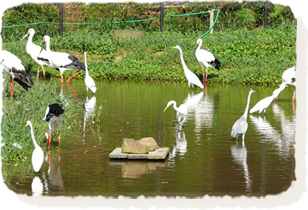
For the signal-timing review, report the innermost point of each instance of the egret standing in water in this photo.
(88, 80)
(16, 70)
(206, 59)
(265, 102)
(62, 61)
(181, 111)
(40, 57)
(240, 126)
(190, 76)
(54, 115)
(37, 154)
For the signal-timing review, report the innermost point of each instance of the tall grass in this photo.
(248, 56)
(31, 105)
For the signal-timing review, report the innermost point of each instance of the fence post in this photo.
(61, 19)
(265, 15)
(211, 20)
(162, 8)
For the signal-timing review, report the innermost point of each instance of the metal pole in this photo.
(211, 21)
(162, 8)
(265, 15)
(61, 19)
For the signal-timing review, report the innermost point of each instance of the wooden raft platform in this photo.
(158, 154)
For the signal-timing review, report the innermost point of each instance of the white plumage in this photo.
(181, 111)
(264, 103)
(289, 76)
(190, 76)
(37, 154)
(206, 59)
(40, 57)
(240, 126)
(88, 80)
(16, 70)
(62, 61)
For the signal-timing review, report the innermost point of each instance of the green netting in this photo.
(121, 22)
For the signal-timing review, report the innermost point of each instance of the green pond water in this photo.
(203, 158)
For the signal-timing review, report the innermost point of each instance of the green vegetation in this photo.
(256, 56)
(31, 105)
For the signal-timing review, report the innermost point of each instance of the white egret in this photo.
(206, 59)
(62, 61)
(181, 111)
(289, 76)
(190, 76)
(37, 154)
(54, 115)
(35, 52)
(88, 80)
(262, 105)
(240, 126)
(17, 71)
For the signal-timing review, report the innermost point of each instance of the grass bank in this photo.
(31, 105)
(248, 56)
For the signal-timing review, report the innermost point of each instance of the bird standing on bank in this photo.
(265, 102)
(17, 71)
(40, 57)
(88, 80)
(54, 115)
(37, 154)
(181, 111)
(240, 126)
(190, 76)
(206, 60)
(62, 61)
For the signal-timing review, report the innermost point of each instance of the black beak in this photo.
(42, 47)
(196, 48)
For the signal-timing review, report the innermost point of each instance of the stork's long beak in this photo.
(42, 47)
(196, 48)
(172, 47)
(24, 36)
(24, 126)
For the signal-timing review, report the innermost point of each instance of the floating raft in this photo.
(158, 154)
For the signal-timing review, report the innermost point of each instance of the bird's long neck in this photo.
(182, 59)
(174, 106)
(86, 65)
(48, 46)
(32, 135)
(247, 106)
(30, 38)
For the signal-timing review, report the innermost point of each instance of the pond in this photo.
(203, 158)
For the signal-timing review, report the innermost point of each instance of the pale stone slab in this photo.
(158, 154)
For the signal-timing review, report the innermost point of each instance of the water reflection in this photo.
(239, 155)
(200, 108)
(89, 111)
(37, 186)
(181, 144)
(135, 169)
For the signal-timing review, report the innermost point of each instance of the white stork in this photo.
(62, 61)
(205, 59)
(14, 67)
(54, 115)
(35, 52)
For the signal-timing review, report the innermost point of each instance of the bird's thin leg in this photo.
(206, 76)
(43, 72)
(12, 87)
(203, 75)
(69, 79)
(243, 142)
(293, 97)
(59, 139)
(38, 72)
(49, 138)
(243, 138)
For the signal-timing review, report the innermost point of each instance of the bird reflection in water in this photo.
(89, 111)
(181, 144)
(37, 186)
(239, 154)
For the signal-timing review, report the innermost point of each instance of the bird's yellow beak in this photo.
(24, 126)
(172, 47)
(166, 108)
